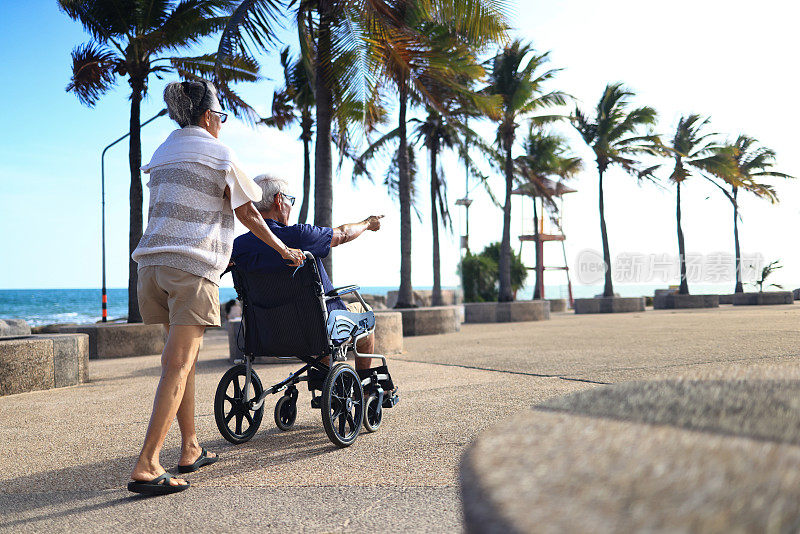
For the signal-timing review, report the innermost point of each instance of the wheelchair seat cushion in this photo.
(344, 324)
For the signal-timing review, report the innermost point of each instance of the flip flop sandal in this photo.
(204, 459)
(158, 486)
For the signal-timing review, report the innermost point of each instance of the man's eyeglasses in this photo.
(290, 198)
(222, 116)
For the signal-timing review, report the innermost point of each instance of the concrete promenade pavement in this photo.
(67, 453)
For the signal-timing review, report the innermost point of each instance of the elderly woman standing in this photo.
(196, 187)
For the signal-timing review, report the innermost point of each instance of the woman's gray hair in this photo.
(187, 101)
(270, 186)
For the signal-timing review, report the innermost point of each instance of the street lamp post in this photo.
(103, 207)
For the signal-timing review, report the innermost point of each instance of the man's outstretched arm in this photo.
(348, 232)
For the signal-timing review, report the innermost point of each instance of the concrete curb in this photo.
(429, 321)
(676, 301)
(506, 312)
(120, 340)
(558, 305)
(35, 362)
(665, 456)
(388, 332)
(609, 305)
(14, 327)
(763, 298)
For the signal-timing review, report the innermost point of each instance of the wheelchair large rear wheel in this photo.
(235, 417)
(342, 405)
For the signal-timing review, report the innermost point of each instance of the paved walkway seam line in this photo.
(536, 375)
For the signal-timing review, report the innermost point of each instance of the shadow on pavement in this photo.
(76, 484)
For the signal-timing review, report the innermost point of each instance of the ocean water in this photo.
(46, 306)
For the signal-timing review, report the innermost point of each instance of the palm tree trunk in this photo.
(306, 136)
(505, 293)
(684, 289)
(608, 289)
(405, 297)
(537, 293)
(136, 196)
(436, 293)
(323, 164)
(739, 287)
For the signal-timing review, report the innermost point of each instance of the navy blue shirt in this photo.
(253, 255)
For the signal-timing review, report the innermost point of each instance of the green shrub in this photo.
(480, 274)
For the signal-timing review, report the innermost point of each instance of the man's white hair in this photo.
(269, 187)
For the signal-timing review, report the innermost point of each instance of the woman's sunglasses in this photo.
(222, 116)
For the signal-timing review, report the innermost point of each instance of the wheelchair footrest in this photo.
(391, 402)
(315, 402)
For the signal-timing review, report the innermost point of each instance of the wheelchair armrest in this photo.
(339, 291)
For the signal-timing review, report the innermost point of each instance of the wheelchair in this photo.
(284, 314)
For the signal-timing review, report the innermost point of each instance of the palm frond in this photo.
(94, 69)
(283, 111)
(361, 165)
(235, 69)
(106, 22)
(252, 25)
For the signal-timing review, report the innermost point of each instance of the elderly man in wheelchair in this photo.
(297, 313)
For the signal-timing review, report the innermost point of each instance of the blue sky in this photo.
(725, 59)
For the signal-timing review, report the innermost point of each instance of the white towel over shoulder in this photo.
(194, 144)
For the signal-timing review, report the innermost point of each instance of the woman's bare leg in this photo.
(177, 362)
(190, 447)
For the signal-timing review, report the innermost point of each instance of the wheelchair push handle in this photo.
(311, 261)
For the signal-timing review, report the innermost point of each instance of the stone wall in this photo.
(118, 340)
(422, 298)
(14, 327)
(430, 320)
(507, 312)
(29, 363)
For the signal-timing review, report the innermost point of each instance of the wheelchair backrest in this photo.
(282, 313)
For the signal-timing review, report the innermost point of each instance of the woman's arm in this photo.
(249, 216)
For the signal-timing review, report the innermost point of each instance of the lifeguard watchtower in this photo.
(548, 200)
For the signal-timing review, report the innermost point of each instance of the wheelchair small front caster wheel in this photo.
(285, 412)
(373, 414)
(235, 417)
(342, 405)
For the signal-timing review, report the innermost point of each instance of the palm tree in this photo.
(335, 48)
(545, 155)
(436, 133)
(292, 103)
(357, 43)
(136, 42)
(693, 150)
(417, 44)
(520, 85)
(615, 136)
(751, 163)
(442, 129)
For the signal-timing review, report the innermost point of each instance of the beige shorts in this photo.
(355, 307)
(171, 296)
